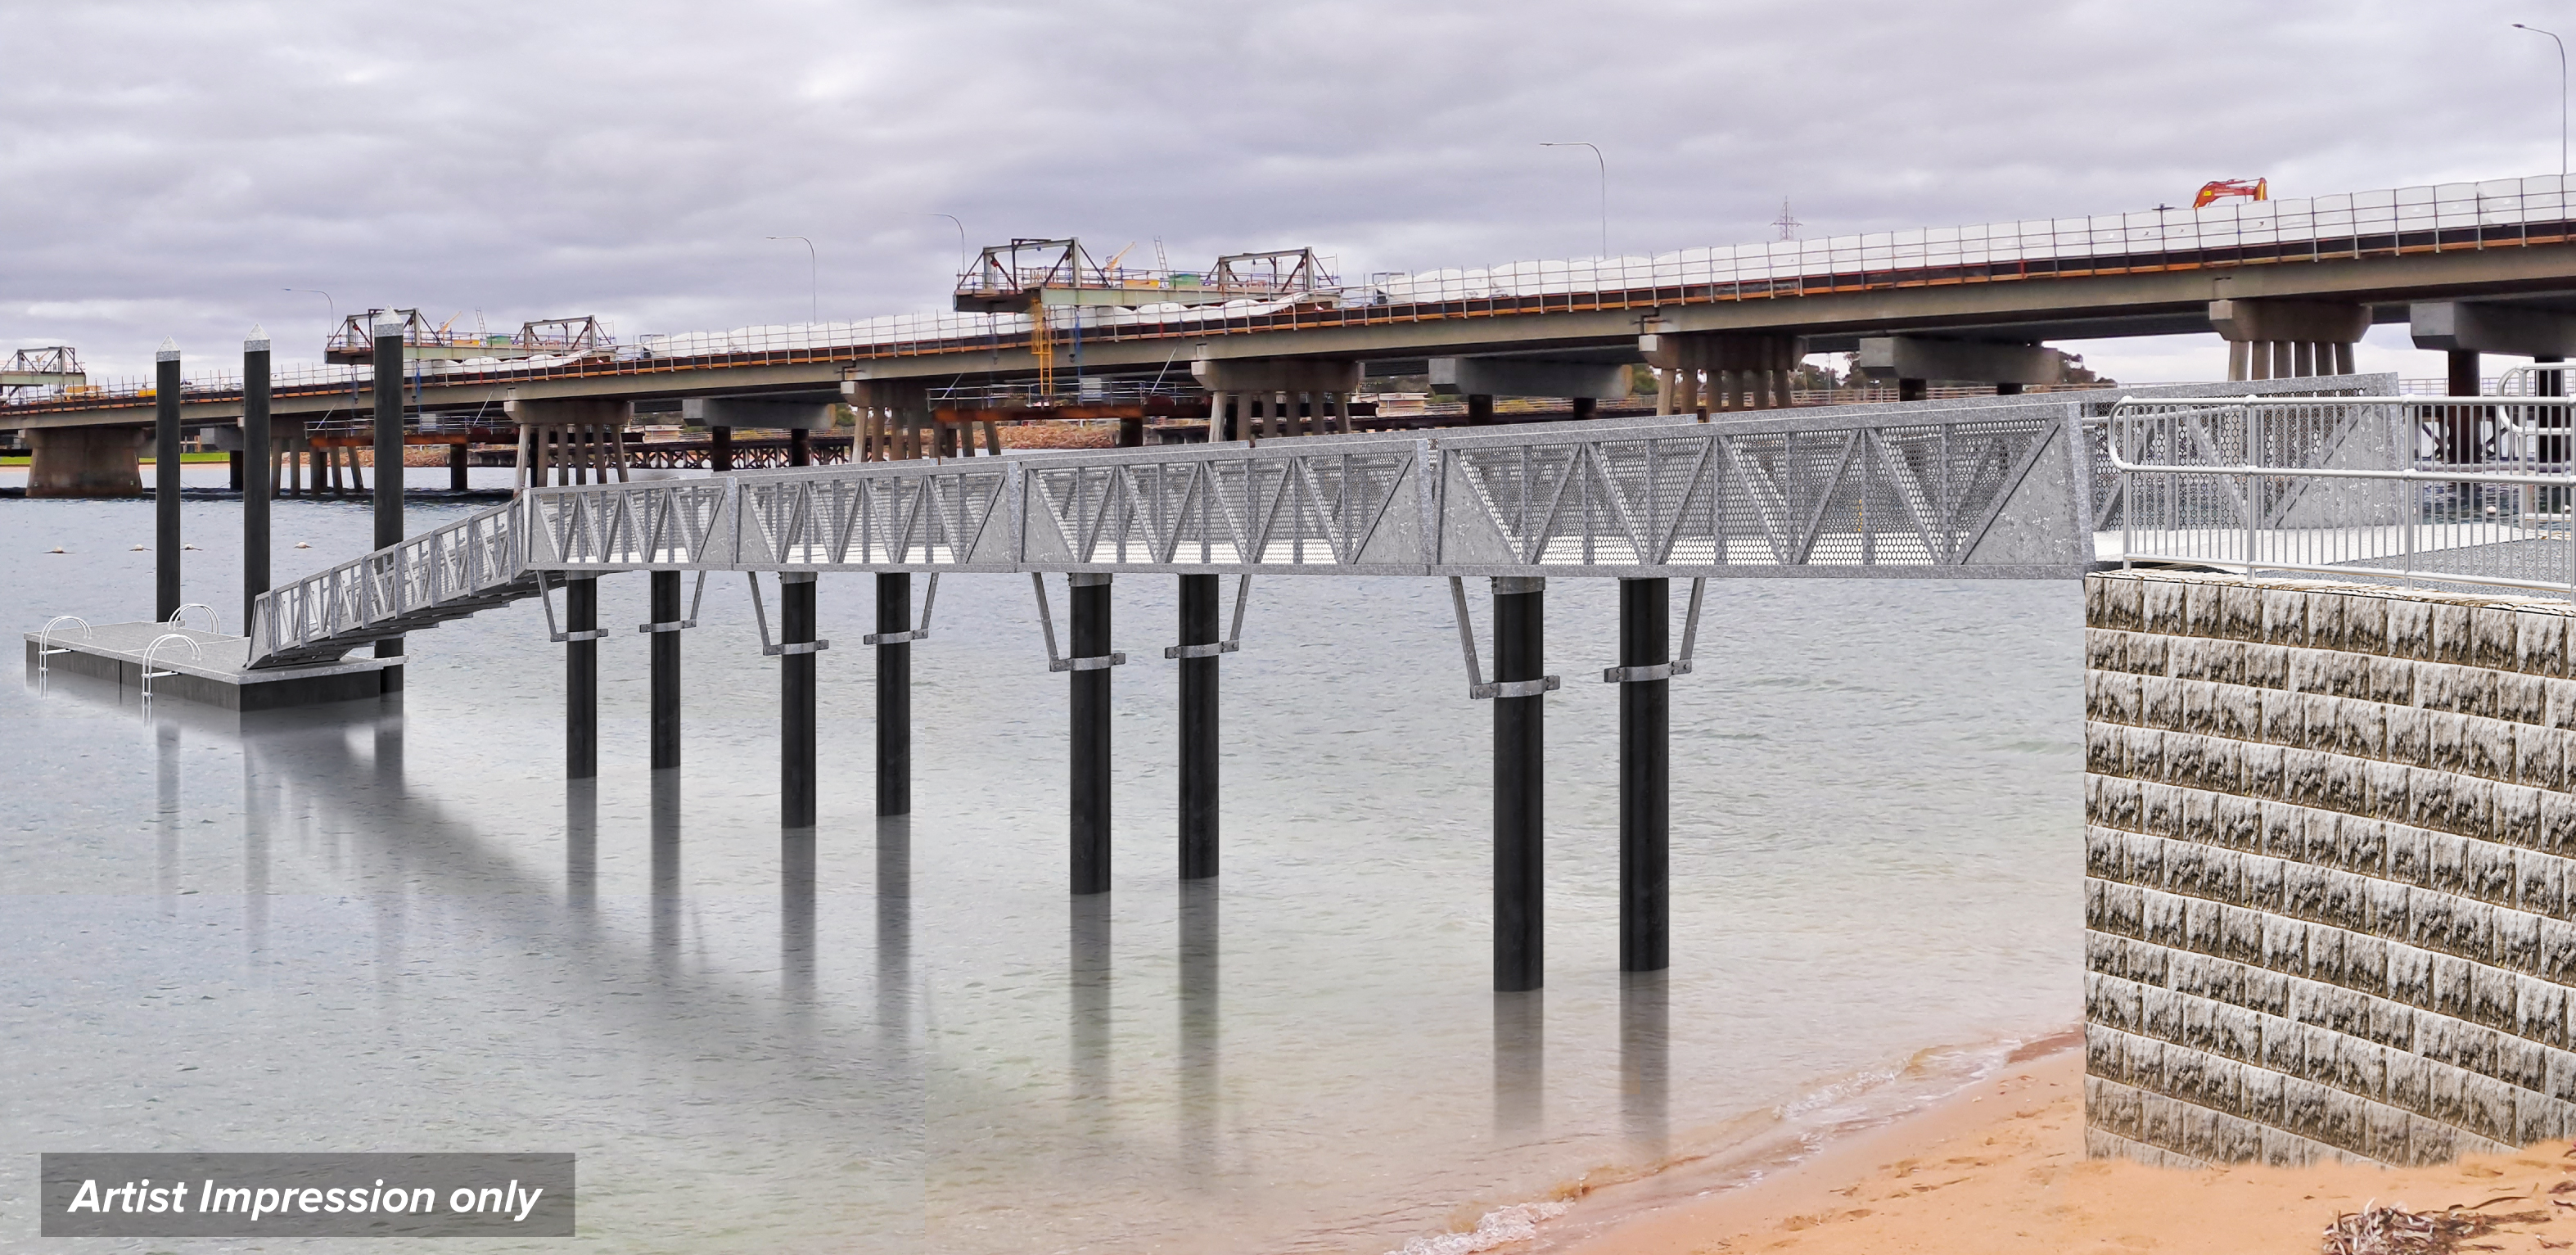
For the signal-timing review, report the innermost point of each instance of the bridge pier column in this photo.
(259, 464)
(2288, 339)
(1199, 728)
(894, 696)
(796, 701)
(1520, 761)
(2462, 441)
(666, 670)
(86, 461)
(1088, 753)
(581, 678)
(1645, 776)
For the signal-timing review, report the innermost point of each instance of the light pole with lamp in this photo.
(813, 284)
(961, 240)
(1604, 166)
(2562, 97)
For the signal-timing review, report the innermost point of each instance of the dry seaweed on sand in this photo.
(2393, 1230)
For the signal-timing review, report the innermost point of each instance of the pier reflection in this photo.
(795, 923)
(1088, 979)
(894, 930)
(664, 935)
(1520, 1060)
(1199, 1011)
(165, 737)
(1645, 1056)
(581, 846)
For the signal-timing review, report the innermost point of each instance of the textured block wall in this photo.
(2327, 890)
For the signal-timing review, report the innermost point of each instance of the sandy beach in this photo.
(2000, 1168)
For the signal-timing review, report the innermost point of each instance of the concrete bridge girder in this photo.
(2141, 302)
(2476, 327)
(763, 412)
(1920, 359)
(1528, 377)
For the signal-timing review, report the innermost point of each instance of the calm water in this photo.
(399, 929)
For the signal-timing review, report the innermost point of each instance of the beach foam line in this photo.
(1749, 1149)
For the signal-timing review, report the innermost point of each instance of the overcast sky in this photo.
(171, 168)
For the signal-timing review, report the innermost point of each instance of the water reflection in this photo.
(795, 922)
(581, 846)
(1088, 976)
(894, 930)
(166, 819)
(1198, 1079)
(1645, 1050)
(1520, 1060)
(259, 820)
(665, 929)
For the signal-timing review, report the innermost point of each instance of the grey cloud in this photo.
(172, 167)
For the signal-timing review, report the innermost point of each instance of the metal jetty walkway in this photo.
(1983, 488)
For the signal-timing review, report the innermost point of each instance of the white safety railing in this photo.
(2397, 222)
(2456, 490)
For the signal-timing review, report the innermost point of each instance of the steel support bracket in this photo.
(554, 632)
(1233, 638)
(1678, 666)
(928, 599)
(1046, 624)
(695, 600)
(760, 616)
(1478, 689)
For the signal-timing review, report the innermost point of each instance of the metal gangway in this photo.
(1986, 487)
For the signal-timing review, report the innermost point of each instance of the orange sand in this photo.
(2001, 1169)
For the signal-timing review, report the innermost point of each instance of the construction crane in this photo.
(2219, 189)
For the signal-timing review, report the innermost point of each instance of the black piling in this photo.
(233, 469)
(1645, 776)
(1198, 808)
(1520, 757)
(581, 679)
(457, 455)
(1088, 754)
(165, 485)
(719, 449)
(666, 670)
(894, 695)
(796, 702)
(259, 469)
(388, 388)
(800, 447)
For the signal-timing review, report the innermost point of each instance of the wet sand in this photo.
(2000, 1168)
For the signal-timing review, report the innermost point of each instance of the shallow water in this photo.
(398, 928)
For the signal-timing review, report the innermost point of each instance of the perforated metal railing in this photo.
(1995, 491)
(2353, 487)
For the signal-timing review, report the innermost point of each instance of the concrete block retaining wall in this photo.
(2327, 895)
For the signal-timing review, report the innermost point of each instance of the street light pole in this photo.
(1604, 166)
(327, 302)
(814, 285)
(2562, 97)
(961, 240)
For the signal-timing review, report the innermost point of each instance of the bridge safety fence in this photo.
(2396, 222)
(2471, 491)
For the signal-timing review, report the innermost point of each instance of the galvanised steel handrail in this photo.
(1945, 491)
(2207, 484)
